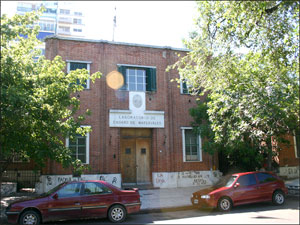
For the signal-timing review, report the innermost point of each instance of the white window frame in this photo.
(183, 145)
(295, 147)
(181, 88)
(143, 84)
(88, 67)
(87, 147)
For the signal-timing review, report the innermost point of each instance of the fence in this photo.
(23, 178)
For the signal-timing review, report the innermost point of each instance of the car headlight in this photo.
(205, 196)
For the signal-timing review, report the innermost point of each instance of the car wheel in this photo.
(30, 217)
(278, 198)
(117, 214)
(224, 204)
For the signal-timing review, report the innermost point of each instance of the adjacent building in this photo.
(62, 18)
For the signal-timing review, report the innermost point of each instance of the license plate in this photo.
(195, 201)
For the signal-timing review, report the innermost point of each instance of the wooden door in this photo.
(128, 160)
(135, 156)
(143, 160)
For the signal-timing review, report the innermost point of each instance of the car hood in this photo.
(29, 199)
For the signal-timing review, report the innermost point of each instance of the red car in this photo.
(76, 200)
(242, 188)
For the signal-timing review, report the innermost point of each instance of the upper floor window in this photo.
(77, 30)
(77, 21)
(191, 144)
(78, 13)
(138, 78)
(184, 88)
(65, 11)
(73, 65)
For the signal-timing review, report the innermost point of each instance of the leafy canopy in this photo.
(38, 107)
(245, 55)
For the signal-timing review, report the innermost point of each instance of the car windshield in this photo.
(52, 190)
(230, 181)
(225, 181)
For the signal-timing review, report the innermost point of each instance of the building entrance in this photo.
(135, 155)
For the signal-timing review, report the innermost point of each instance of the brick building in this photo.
(141, 132)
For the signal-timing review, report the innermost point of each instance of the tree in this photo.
(38, 104)
(245, 55)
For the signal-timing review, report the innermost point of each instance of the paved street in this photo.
(260, 213)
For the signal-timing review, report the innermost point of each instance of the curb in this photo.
(165, 209)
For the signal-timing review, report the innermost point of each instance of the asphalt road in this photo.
(260, 213)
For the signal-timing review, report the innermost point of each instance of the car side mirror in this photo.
(55, 196)
(236, 185)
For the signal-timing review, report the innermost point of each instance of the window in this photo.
(78, 13)
(70, 190)
(65, 11)
(265, 178)
(191, 145)
(138, 78)
(18, 158)
(77, 30)
(95, 189)
(297, 143)
(64, 29)
(73, 65)
(79, 147)
(184, 88)
(247, 180)
(46, 26)
(77, 21)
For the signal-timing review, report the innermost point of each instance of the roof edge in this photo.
(116, 43)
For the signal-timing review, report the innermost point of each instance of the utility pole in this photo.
(115, 24)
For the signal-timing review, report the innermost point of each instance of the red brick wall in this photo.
(167, 154)
(287, 156)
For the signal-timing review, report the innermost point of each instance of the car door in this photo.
(96, 199)
(267, 184)
(245, 189)
(65, 203)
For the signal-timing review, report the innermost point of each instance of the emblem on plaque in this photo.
(137, 101)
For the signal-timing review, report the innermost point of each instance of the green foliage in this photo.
(38, 107)
(78, 168)
(242, 154)
(245, 56)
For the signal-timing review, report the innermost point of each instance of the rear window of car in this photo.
(247, 180)
(265, 177)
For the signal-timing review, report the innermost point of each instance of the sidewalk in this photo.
(167, 199)
(153, 200)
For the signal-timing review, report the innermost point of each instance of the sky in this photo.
(160, 23)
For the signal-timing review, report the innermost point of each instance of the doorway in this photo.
(135, 155)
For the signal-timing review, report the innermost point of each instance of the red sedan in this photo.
(242, 188)
(76, 200)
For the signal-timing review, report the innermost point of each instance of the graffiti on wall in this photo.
(195, 177)
(185, 178)
(47, 182)
(8, 188)
(290, 172)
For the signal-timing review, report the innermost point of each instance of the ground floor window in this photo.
(192, 151)
(79, 147)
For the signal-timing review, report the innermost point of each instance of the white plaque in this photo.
(146, 119)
